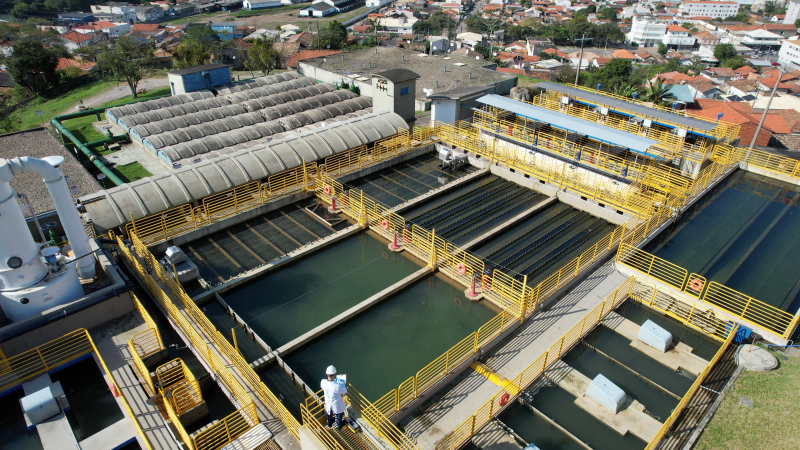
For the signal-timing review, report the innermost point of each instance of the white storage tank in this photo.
(608, 394)
(655, 336)
(39, 406)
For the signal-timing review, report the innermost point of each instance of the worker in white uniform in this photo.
(333, 388)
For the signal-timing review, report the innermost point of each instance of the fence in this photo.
(768, 161)
(695, 386)
(504, 398)
(198, 341)
(739, 305)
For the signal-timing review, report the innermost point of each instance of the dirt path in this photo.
(123, 91)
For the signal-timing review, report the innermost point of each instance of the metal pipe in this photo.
(763, 116)
(56, 122)
(24, 196)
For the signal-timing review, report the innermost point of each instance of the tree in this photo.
(797, 23)
(608, 14)
(332, 37)
(199, 47)
(263, 56)
(724, 51)
(591, 9)
(658, 92)
(734, 62)
(128, 62)
(33, 65)
(662, 49)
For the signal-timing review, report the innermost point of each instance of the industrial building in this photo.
(576, 268)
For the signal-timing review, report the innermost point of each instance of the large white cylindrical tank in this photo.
(56, 288)
(20, 264)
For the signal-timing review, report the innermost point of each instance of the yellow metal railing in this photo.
(735, 303)
(383, 426)
(183, 218)
(653, 444)
(178, 386)
(768, 161)
(686, 312)
(222, 369)
(504, 398)
(227, 429)
(44, 358)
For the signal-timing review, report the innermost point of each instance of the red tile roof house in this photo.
(74, 40)
(302, 55)
(783, 125)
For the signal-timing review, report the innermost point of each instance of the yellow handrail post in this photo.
(524, 304)
(305, 175)
(233, 334)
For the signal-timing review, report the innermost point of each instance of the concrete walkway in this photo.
(111, 340)
(448, 408)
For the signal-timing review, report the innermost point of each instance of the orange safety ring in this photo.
(696, 284)
(787, 200)
(461, 268)
(457, 301)
(327, 190)
(385, 224)
(504, 399)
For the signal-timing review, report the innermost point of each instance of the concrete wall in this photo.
(394, 99)
(444, 110)
(326, 76)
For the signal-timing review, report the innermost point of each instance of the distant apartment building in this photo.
(703, 8)
(790, 52)
(646, 31)
(792, 13)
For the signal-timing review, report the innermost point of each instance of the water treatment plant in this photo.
(567, 271)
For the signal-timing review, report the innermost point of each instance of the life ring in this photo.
(385, 224)
(461, 268)
(696, 285)
(504, 399)
(327, 190)
(457, 301)
(787, 200)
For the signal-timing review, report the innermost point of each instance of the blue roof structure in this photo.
(635, 143)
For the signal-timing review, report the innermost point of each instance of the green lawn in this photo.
(82, 127)
(770, 424)
(528, 81)
(56, 106)
(131, 172)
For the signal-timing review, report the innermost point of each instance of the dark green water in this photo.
(702, 346)
(592, 363)
(618, 347)
(14, 433)
(559, 405)
(407, 180)
(255, 242)
(386, 345)
(285, 304)
(93, 407)
(219, 407)
(536, 430)
(287, 391)
(250, 349)
(747, 238)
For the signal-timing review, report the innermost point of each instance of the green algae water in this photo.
(224, 322)
(219, 407)
(559, 405)
(284, 304)
(386, 345)
(14, 434)
(288, 391)
(537, 430)
(744, 234)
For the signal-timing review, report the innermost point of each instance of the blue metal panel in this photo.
(563, 121)
(193, 82)
(220, 76)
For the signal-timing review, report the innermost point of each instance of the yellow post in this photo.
(305, 176)
(432, 262)
(408, 141)
(524, 306)
(235, 345)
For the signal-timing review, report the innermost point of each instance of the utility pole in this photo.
(580, 58)
(781, 72)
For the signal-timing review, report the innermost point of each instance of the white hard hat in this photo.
(330, 370)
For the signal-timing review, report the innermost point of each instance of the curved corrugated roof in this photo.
(171, 111)
(113, 207)
(134, 108)
(258, 82)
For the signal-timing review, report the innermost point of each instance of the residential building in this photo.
(761, 39)
(399, 23)
(792, 13)
(146, 13)
(789, 53)
(534, 46)
(197, 78)
(75, 17)
(74, 40)
(719, 75)
(786, 31)
(702, 88)
(646, 31)
(377, 3)
(768, 84)
(107, 7)
(318, 9)
(229, 30)
(109, 28)
(706, 39)
(678, 38)
(81, 66)
(303, 55)
(691, 8)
